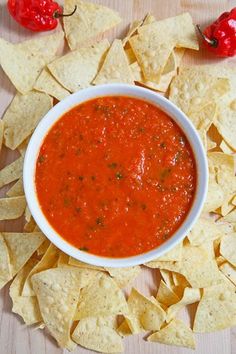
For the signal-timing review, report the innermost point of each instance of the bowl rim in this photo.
(56, 113)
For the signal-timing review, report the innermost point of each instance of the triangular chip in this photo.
(23, 62)
(175, 333)
(11, 172)
(5, 265)
(58, 291)
(21, 246)
(95, 334)
(76, 70)
(76, 263)
(228, 270)
(12, 208)
(132, 29)
(47, 84)
(22, 116)
(115, 67)
(17, 189)
(215, 194)
(48, 260)
(228, 248)
(124, 276)
(87, 22)
(144, 313)
(26, 307)
(102, 297)
(165, 295)
(175, 254)
(216, 310)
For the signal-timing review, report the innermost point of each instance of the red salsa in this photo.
(115, 176)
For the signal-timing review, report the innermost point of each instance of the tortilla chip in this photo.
(144, 314)
(223, 165)
(47, 84)
(95, 334)
(180, 282)
(175, 333)
(23, 62)
(44, 246)
(58, 291)
(26, 307)
(131, 57)
(155, 42)
(167, 277)
(76, 70)
(226, 148)
(229, 271)
(210, 143)
(124, 276)
(1, 133)
(115, 67)
(228, 248)
(28, 215)
(17, 189)
(88, 21)
(216, 310)
(206, 229)
(215, 194)
(190, 296)
(166, 295)
(21, 246)
(11, 172)
(12, 208)
(193, 91)
(23, 146)
(175, 254)
(123, 330)
(76, 263)
(132, 29)
(102, 297)
(5, 266)
(49, 260)
(23, 115)
(63, 259)
(30, 226)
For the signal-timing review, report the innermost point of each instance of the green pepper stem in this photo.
(57, 14)
(213, 42)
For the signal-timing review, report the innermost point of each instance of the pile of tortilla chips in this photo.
(84, 304)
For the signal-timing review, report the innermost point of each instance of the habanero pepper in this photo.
(37, 15)
(220, 36)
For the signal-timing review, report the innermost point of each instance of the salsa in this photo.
(115, 176)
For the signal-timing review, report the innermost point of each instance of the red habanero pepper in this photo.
(220, 36)
(36, 15)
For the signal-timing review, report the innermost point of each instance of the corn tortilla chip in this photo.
(175, 254)
(11, 172)
(12, 208)
(47, 84)
(88, 21)
(30, 226)
(216, 310)
(166, 295)
(44, 246)
(21, 246)
(124, 276)
(215, 194)
(144, 314)
(206, 229)
(226, 148)
(123, 330)
(48, 260)
(23, 146)
(23, 62)
(17, 189)
(228, 270)
(5, 266)
(231, 217)
(92, 333)
(58, 291)
(175, 333)
(76, 70)
(193, 91)
(228, 248)
(115, 67)
(130, 56)
(102, 297)
(190, 296)
(132, 29)
(26, 307)
(23, 115)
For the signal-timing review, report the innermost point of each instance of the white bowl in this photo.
(105, 90)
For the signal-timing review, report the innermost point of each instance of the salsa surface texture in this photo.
(115, 176)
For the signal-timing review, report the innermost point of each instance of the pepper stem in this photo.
(213, 42)
(57, 14)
